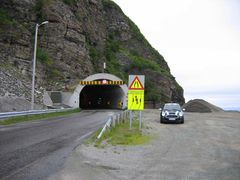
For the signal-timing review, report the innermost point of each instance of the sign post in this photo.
(136, 96)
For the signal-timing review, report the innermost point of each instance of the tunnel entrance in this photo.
(101, 97)
(100, 91)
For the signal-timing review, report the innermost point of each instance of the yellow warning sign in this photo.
(135, 99)
(136, 84)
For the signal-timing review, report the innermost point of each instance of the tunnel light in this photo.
(102, 82)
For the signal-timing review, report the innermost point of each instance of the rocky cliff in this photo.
(80, 36)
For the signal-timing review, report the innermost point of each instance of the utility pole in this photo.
(34, 62)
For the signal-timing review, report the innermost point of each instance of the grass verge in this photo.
(24, 118)
(120, 135)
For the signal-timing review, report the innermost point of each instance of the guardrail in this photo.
(31, 112)
(113, 120)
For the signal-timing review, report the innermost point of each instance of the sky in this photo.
(199, 39)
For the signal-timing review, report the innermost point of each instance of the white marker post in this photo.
(140, 120)
(130, 117)
(104, 66)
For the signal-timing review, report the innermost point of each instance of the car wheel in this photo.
(161, 120)
(182, 122)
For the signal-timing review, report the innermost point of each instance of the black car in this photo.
(171, 112)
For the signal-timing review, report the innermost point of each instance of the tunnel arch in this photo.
(100, 96)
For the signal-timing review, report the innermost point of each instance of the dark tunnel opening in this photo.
(101, 97)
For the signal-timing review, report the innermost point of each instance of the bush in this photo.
(109, 4)
(112, 47)
(39, 9)
(151, 93)
(4, 18)
(43, 57)
(94, 53)
(140, 62)
(53, 73)
(70, 2)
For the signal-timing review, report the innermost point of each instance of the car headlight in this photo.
(180, 113)
(163, 113)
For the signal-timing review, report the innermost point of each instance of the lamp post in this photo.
(34, 61)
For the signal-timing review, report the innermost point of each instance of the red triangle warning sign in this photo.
(136, 84)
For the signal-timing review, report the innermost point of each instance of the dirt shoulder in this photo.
(207, 146)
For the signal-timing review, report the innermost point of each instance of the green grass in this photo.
(120, 135)
(18, 119)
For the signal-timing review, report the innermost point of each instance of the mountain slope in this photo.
(80, 36)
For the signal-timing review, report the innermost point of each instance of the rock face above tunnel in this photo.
(199, 105)
(80, 36)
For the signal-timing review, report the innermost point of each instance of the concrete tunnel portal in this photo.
(100, 91)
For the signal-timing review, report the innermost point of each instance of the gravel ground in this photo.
(207, 146)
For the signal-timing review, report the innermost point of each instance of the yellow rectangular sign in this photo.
(135, 99)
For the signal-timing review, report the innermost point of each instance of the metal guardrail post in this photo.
(122, 117)
(113, 121)
(107, 125)
(118, 118)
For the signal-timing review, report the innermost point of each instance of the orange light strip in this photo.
(101, 83)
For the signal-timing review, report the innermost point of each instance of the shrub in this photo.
(53, 73)
(112, 47)
(39, 9)
(4, 18)
(151, 93)
(109, 4)
(94, 53)
(70, 2)
(141, 63)
(44, 57)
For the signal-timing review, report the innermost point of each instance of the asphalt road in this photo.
(205, 147)
(34, 150)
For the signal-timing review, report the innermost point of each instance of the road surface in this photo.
(34, 150)
(206, 146)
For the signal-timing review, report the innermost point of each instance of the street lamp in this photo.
(34, 61)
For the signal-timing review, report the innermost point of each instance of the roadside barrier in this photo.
(113, 121)
(31, 112)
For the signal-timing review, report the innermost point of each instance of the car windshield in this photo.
(172, 107)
